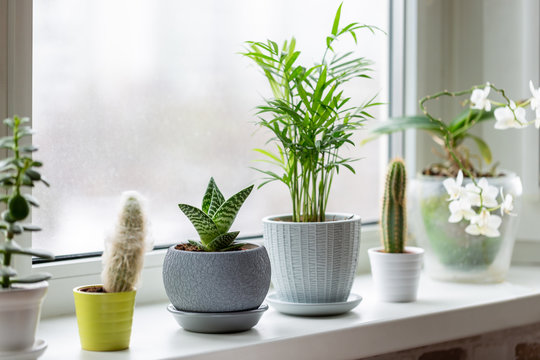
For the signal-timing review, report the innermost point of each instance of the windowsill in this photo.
(444, 311)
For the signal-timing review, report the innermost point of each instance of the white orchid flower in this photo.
(535, 100)
(460, 209)
(484, 224)
(507, 205)
(510, 117)
(479, 99)
(537, 119)
(482, 194)
(453, 186)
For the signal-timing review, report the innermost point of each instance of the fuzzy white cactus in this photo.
(124, 251)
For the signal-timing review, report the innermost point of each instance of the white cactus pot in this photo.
(396, 276)
(20, 308)
(313, 262)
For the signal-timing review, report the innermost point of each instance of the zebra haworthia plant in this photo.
(394, 207)
(215, 218)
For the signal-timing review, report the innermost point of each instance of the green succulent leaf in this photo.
(216, 202)
(234, 246)
(198, 245)
(223, 241)
(31, 200)
(7, 271)
(225, 215)
(14, 248)
(29, 227)
(205, 226)
(34, 278)
(34, 175)
(207, 199)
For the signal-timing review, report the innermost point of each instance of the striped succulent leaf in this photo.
(222, 241)
(205, 226)
(212, 191)
(225, 215)
(217, 201)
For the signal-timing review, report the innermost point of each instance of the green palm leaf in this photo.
(227, 212)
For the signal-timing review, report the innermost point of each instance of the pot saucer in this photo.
(216, 323)
(314, 309)
(32, 353)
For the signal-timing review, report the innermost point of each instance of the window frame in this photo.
(16, 98)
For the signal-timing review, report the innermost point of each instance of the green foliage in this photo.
(215, 218)
(394, 208)
(450, 136)
(309, 116)
(18, 170)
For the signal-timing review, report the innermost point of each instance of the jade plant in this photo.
(215, 218)
(18, 171)
(310, 116)
(394, 208)
(123, 257)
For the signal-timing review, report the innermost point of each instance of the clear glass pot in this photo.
(450, 253)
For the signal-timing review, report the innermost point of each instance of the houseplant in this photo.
(20, 297)
(455, 204)
(395, 268)
(216, 284)
(105, 312)
(311, 121)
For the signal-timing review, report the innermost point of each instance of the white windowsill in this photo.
(444, 311)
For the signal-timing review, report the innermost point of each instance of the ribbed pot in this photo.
(217, 281)
(396, 276)
(313, 262)
(451, 253)
(20, 308)
(104, 319)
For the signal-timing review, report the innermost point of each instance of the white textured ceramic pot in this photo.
(396, 276)
(20, 307)
(313, 262)
(217, 281)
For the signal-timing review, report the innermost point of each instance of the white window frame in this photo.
(16, 98)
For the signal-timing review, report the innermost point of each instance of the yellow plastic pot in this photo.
(104, 319)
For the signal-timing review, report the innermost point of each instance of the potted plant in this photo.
(395, 268)
(20, 297)
(105, 312)
(459, 211)
(216, 284)
(313, 253)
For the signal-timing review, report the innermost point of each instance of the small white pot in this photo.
(396, 276)
(20, 307)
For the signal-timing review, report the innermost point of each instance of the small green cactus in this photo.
(394, 208)
(123, 257)
(214, 220)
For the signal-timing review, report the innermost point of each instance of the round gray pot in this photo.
(217, 281)
(313, 262)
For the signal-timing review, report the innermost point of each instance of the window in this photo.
(153, 96)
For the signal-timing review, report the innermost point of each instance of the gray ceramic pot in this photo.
(217, 281)
(313, 262)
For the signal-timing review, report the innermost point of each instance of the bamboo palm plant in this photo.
(310, 117)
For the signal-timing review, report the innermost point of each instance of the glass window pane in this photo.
(153, 96)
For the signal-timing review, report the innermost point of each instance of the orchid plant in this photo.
(478, 201)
